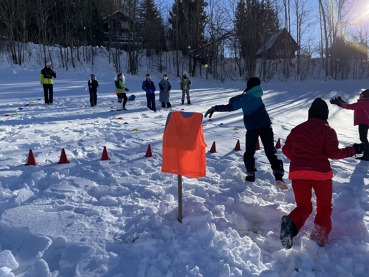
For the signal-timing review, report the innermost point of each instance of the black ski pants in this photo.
(48, 93)
(267, 138)
(363, 135)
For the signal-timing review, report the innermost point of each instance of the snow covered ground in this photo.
(118, 217)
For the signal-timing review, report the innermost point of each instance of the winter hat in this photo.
(319, 109)
(253, 82)
(165, 75)
(48, 63)
(185, 73)
(364, 94)
(92, 75)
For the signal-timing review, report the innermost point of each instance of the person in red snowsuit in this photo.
(361, 117)
(309, 146)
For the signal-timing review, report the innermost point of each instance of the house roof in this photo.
(271, 40)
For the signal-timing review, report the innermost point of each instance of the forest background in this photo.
(209, 39)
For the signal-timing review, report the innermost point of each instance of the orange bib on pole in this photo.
(184, 145)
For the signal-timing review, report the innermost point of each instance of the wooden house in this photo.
(118, 30)
(279, 46)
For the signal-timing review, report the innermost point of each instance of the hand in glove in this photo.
(210, 112)
(359, 148)
(126, 89)
(337, 101)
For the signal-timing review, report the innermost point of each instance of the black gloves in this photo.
(359, 148)
(126, 89)
(337, 101)
(210, 112)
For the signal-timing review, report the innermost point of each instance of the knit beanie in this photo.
(252, 82)
(319, 109)
(365, 93)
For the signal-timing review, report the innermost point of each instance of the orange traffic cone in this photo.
(105, 155)
(213, 148)
(278, 144)
(63, 157)
(257, 145)
(148, 152)
(238, 146)
(31, 158)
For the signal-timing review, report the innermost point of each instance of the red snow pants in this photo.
(303, 194)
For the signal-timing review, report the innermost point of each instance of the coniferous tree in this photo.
(255, 23)
(187, 19)
(151, 28)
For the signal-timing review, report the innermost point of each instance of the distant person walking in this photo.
(92, 89)
(149, 87)
(120, 91)
(164, 95)
(46, 79)
(185, 87)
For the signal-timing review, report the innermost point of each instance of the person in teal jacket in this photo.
(258, 124)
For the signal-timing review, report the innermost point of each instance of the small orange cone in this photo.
(278, 144)
(63, 157)
(31, 158)
(238, 146)
(257, 145)
(213, 148)
(148, 152)
(105, 155)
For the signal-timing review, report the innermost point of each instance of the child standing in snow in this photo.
(149, 87)
(361, 117)
(165, 87)
(92, 89)
(258, 124)
(309, 146)
(185, 87)
(120, 91)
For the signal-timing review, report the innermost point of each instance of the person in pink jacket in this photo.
(309, 146)
(361, 117)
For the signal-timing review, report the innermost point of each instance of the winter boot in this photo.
(288, 231)
(250, 176)
(279, 182)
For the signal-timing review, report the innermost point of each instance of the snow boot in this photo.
(288, 231)
(250, 176)
(279, 182)
(363, 158)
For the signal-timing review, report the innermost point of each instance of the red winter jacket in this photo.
(361, 111)
(309, 146)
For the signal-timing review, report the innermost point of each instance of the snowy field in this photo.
(118, 217)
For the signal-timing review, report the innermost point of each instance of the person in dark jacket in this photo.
(185, 84)
(164, 94)
(309, 146)
(46, 79)
(149, 87)
(258, 124)
(92, 89)
(361, 117)
(120, 91)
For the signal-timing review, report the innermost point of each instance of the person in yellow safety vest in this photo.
(46, 80)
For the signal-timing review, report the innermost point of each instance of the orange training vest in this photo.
(184, 145)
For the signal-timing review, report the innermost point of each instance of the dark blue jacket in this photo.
(255, 114)
(148, 86)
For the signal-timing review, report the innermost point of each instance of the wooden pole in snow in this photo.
(179, 218)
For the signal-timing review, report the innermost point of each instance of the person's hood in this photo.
(256, 91)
